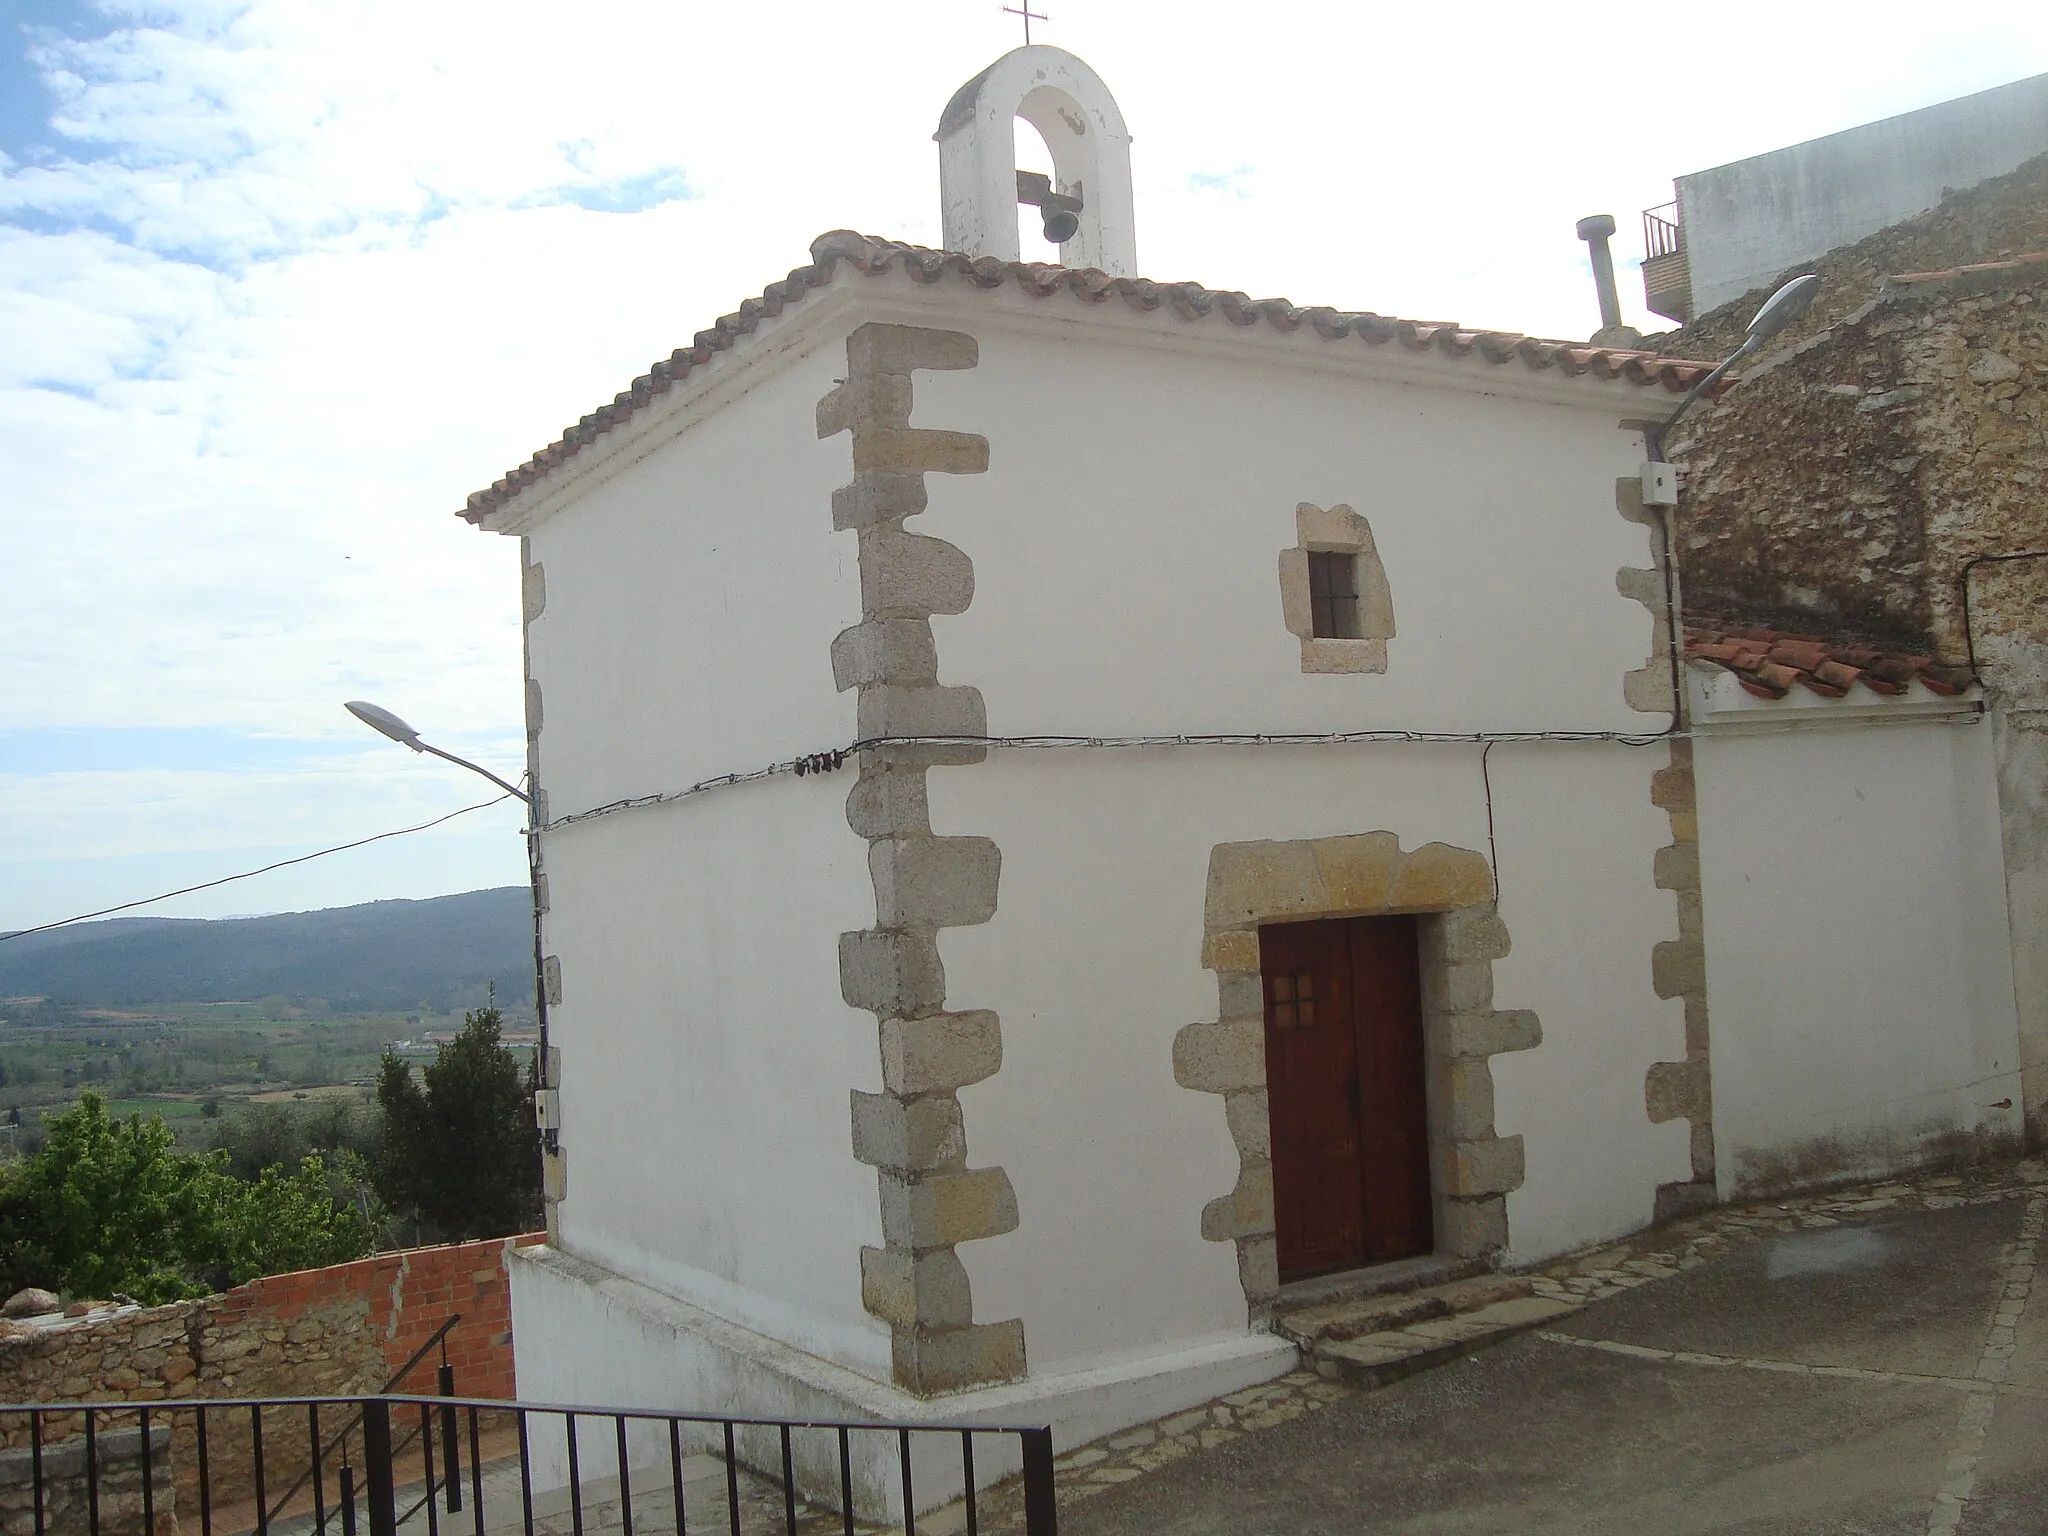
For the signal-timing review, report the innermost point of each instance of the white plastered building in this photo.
(1071, 802)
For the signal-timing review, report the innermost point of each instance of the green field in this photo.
(192, 1063)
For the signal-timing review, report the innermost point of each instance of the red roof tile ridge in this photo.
(874, 256)
(1768, 662)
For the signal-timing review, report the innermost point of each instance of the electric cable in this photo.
(207, 885)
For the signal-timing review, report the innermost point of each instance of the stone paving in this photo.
(1594, 1276)
(1085, 1472)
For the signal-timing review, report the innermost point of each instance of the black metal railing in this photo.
(444, 1385)
(402, 1464)
(1663, 235)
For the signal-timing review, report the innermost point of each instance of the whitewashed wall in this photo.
(1857, 951)
(707, 1056)
(1125, 543)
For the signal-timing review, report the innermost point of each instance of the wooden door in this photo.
(1344, 1081)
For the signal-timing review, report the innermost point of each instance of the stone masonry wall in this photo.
(1840, 487)
(343, 1330)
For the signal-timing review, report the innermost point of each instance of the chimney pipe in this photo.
(1595, 230)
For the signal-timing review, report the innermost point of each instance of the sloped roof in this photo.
(869, 256)
(1770, 663)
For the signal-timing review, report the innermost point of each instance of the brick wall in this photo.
(340, 1331)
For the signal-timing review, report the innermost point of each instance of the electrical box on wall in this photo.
(547, 1110)
(1660, 484)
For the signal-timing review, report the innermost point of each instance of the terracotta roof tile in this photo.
(872, 257)
(1770, 663)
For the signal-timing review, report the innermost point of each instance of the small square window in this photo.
(1333, 595)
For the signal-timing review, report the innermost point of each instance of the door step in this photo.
(1372, 1341)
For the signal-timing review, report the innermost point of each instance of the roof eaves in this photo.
(874, 257)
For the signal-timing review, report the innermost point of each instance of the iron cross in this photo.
(1029, 16)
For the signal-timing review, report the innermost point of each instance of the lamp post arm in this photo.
(1656, 444)
(510, 789)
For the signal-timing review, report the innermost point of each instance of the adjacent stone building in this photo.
(1863, 544)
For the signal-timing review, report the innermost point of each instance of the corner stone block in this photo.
(918, 450)
(1678, 867)
(940, 1052)
(1252, 882)
(1676, 1090)
(1437, 877)
(1640, 585)
(1647, 690)
(1472, 1035)
(554, 1175)
(1460, 1095)
(865, 400)
(1251, 1127)
(533, 590)
(1358, 872)
(1459, 988)
(947, 1208)
(1240, 996)
(1247, 1211)
(1258, 1268)
(551, 977)
(1678, 966)
(1471, 935)
(888, 710)
(910, 1291)
(914, 1136)
(948, 1359)
(936, 882)
(1233, 949)
(879, 348)
(911, 575)
(1491, 1166)
(885, 651)
(533, 709)
(1672, 788)
(1220, 1058)
(891, 973)
(872, 500)
(1471, 1228)
(888, 801)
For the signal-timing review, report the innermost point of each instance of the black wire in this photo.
(207, 885)
(1969, 634)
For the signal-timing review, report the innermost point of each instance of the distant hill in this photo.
(382, 955)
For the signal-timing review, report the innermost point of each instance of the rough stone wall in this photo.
(339, 1331)
(124, 1507)
(911, 1133)
(1841, 486)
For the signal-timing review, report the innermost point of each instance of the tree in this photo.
(461, 1155)
(107, 1206)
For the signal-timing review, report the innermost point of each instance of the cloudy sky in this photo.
(281, 282)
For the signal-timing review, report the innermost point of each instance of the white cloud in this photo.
(311, 272)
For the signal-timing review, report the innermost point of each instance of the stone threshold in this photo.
(1373, 1339)
(1376, 1280)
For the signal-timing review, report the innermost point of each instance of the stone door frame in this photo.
(1472, 1168)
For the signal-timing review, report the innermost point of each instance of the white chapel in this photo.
(1074, 803)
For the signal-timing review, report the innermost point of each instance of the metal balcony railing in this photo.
(402, 1465)
(1662, 233)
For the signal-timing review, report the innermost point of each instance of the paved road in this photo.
(1887, 1376)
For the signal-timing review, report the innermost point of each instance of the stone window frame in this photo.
(1472, 1168)
(1336, 530)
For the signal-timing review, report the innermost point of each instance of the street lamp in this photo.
(385, 723)
(1779, 311)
